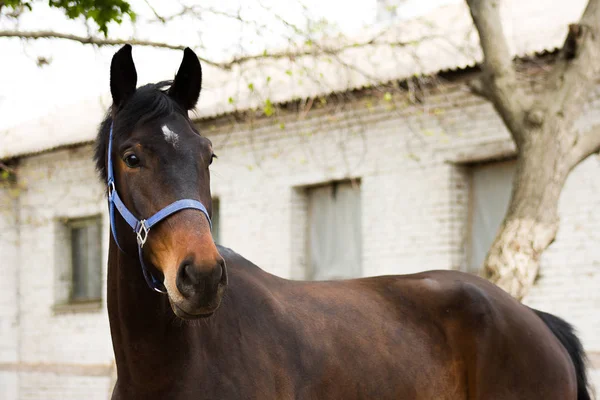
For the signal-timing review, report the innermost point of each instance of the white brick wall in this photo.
(55, 185)
(9, 305)
(414, 216)
(40, 386)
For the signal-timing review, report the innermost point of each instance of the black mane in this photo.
(148, 103)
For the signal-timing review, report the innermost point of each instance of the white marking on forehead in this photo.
(170, 136)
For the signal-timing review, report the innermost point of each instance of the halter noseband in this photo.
(142, 227)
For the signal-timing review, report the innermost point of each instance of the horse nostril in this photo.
(191, 274)
(192, 280)
(218, 271)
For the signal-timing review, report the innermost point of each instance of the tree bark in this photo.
(531, 222)
(542, 126)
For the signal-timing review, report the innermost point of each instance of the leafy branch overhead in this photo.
(102, 12)
(301, 39)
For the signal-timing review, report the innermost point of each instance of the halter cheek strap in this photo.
(141, 227)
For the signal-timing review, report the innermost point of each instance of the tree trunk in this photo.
(542, 126)
(531, 222)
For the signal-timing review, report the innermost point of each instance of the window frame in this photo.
(64, 301)
(310, 272)
(496, 162)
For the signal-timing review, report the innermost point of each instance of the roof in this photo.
(442, 40)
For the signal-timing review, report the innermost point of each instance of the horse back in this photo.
(506, 350)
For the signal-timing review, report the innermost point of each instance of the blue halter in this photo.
(142, 227)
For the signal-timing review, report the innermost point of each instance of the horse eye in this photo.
(212, 157)
(132, 161)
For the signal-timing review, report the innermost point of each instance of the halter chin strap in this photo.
(141, 227)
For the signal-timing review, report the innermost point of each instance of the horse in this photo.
(216, 326)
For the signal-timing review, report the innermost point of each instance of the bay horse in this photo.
(216, 326)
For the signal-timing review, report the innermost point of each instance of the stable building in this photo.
(353, 167)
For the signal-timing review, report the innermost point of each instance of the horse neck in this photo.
(143, 328)
(147, 337)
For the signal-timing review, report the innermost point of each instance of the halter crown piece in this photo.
(141, 227)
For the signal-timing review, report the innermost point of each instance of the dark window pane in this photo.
(86, 260)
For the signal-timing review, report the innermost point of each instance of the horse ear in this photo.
(185, 89)
(123, 77)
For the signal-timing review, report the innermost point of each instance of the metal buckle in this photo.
(142, 233)
(111, 188)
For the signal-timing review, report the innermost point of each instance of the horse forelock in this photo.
(148, 103)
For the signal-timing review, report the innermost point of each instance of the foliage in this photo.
(102, 12)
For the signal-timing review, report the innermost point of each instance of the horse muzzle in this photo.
(200, 288)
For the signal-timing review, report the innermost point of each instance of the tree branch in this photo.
(477, 87)
(156, 14)
(499, 76)
(85, 40)
(587, 143)
(314, 50)
(578, 65)
(4, 167)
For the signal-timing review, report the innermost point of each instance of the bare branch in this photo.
(477, 87)
(587, 143)
(313, 51)
(156, 14)
(499, 76)
(486, 17)
(85, 40)
(4, 167)
(577, 65)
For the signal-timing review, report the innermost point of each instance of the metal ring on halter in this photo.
(142, 233)
(111, 188)
(142, 227)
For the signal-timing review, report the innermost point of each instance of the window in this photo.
(334, 231)
(216, 226)
(80, 261)
(491, 186)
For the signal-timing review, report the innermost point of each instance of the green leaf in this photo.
(387, 96)
(251, 87)
(102, 12)
(289, 72)
(231, 100)
(268, 108)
